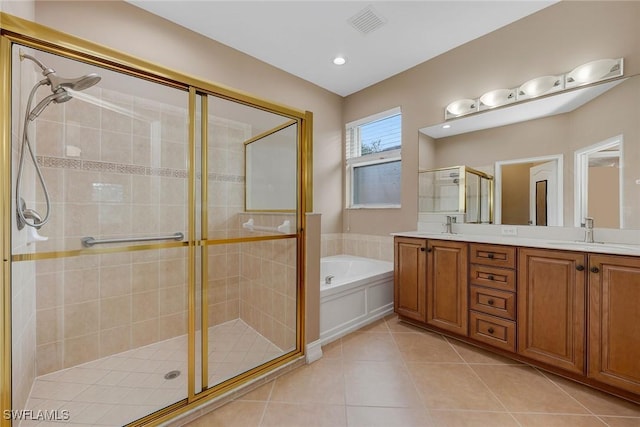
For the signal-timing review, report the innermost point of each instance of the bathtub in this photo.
(360, 292)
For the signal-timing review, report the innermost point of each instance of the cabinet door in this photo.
(410, 277)
(447, 273)
(614, 321)
(551, 307)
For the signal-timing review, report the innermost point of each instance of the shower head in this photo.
(58, 97)
(59, 83)
(79, 83)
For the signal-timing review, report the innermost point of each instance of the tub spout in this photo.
(328, 279)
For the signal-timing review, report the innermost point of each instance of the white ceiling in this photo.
(302, 37)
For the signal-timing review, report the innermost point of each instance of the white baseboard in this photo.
(313, 352)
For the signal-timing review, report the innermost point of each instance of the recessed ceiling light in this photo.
(339, 60)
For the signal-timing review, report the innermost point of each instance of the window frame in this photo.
(369, 159)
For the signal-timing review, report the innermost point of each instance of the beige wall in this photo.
(553, 40)
(127, 28)
(604, 196)
(515, 201)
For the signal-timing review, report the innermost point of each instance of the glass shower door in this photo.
(249, 239)
(99, 313)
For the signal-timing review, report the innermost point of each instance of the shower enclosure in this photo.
(152, 234)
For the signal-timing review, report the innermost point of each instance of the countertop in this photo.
(602, 248)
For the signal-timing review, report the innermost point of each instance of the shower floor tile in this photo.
(118, 389)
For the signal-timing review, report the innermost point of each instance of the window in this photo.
(373, 161)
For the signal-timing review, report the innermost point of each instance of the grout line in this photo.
(568, 394)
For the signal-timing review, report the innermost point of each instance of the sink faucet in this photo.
(588, 230)
(450, 220)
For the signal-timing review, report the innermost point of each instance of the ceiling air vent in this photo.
(367, 20)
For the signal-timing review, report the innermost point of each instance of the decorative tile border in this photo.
(127, 169)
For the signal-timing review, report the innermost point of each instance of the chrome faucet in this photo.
(328, 279)
(450, 220)
(588, 230)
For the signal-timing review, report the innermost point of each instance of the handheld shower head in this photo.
(58, 97)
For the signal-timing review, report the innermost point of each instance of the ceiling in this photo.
(302, 37)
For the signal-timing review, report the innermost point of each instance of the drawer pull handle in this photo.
(490, 302)
(490, 256)
(490, 330)
(490, 277)
(595, 270)
(580, 267)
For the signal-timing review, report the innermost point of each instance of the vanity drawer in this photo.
(494, 255)
(492, 301)
(497, 278)
(493, 331)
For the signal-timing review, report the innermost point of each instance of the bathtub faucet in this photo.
(328, 279)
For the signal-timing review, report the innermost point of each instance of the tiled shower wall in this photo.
(363, 245)
(268, 281)
(110, 175)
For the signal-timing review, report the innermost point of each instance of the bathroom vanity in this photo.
(565, 307)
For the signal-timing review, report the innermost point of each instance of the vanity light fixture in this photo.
(591, 72)
(461, 107)
(540, 86)
(594, 71)
(496, 98)
(339, 60)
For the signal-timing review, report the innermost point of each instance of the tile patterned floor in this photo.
(391, 374)
(124, 387)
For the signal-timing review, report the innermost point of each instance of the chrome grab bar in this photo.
(88, 242)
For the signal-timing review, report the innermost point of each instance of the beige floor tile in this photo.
(471, 419)
(622, 421)
(472, 354)
(524, 389)
(364, 416)
(307, 415)
(549, 420)
(333, 350)
(379, 384)
(596, 401)
(396, 325)
(425, 347)
(233, 414)
(260, 394)
(452, 386)
(320, 382)
(368, 346)
(377, 326)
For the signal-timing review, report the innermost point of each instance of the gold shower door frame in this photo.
(29, 34)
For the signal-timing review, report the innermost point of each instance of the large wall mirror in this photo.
(591, 138)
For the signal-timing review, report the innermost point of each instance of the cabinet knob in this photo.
(490, 302)
(580, 267)
(490, 330)
(595, 269)
(429, 249)
(490, 277)
(423, 249)
(490, 256)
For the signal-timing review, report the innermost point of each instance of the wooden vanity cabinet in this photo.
(431, 282)
(447, 285)
(410, 278)
(551, 307)
(492, 297)
(614, 321)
